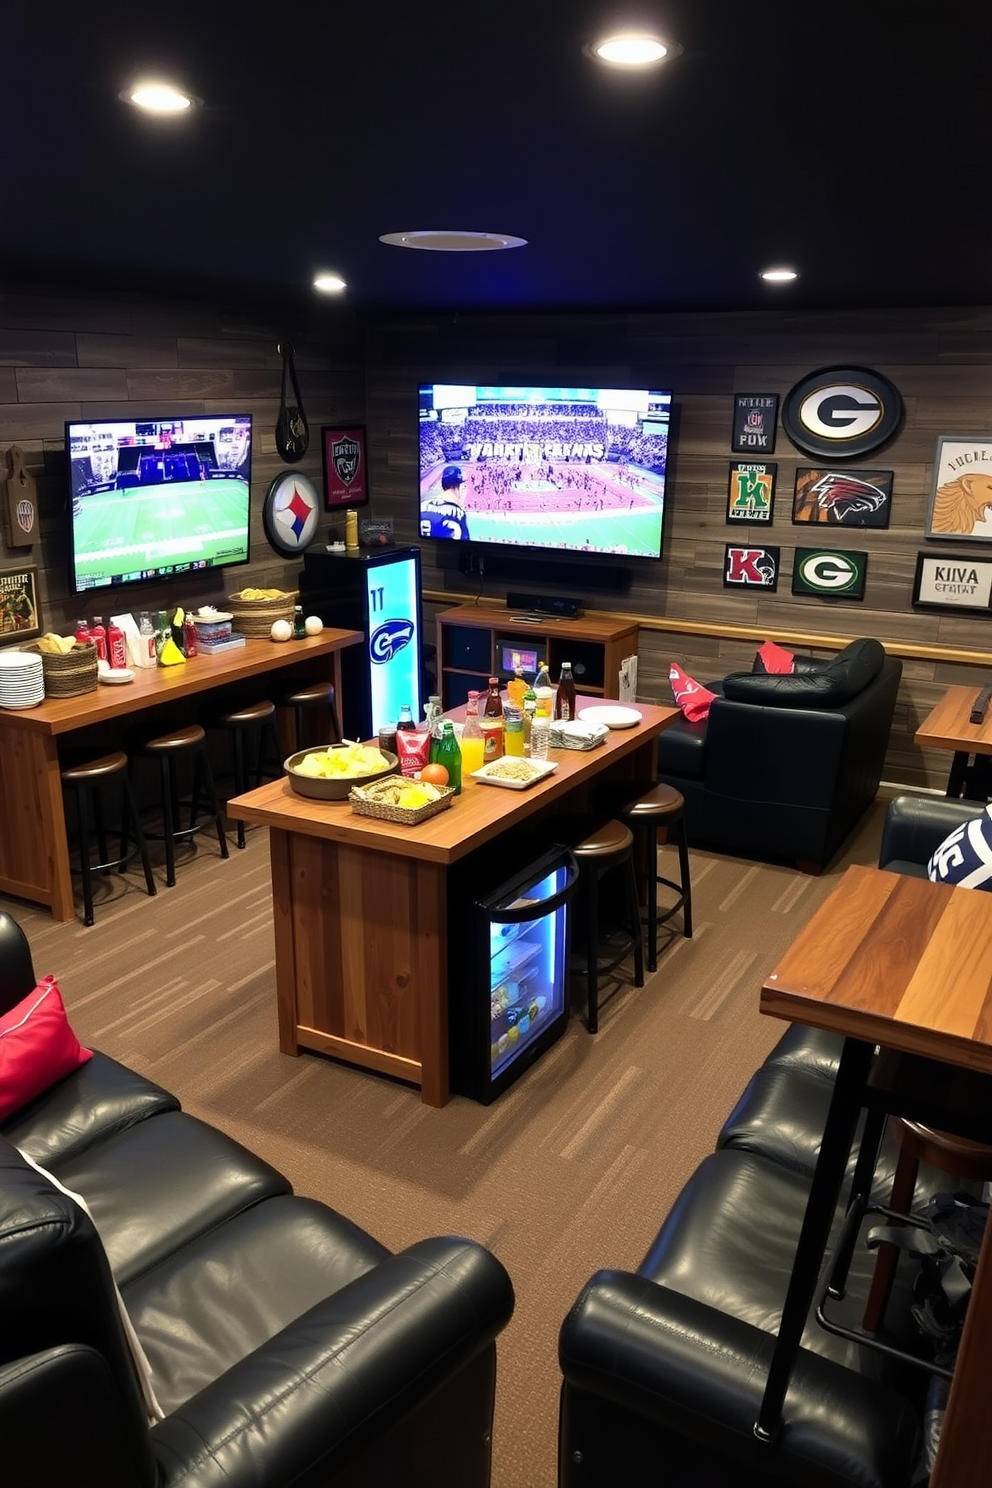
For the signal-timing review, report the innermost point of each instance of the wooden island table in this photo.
(361, 905)
(34, 852)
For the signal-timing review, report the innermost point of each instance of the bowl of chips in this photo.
(327, 772)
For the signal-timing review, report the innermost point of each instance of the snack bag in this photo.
(413, 749)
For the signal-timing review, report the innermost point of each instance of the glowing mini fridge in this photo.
(508, 976)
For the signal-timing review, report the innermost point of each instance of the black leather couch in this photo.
(287, 1346)
(785, 766)
(664, 1368)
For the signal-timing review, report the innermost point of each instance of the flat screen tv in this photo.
(151, 498)
(577, 470)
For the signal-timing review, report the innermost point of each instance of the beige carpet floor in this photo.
(572, 1169)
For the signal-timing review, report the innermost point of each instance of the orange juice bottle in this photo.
(516, 688)
(471, 741)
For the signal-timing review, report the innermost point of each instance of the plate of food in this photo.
(514, 773)
(612, 715)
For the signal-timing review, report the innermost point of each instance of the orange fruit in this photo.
(434, 775)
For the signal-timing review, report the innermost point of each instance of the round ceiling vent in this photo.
(456, 241)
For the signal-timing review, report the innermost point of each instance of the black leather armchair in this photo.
(287, 1346)
(785, 766)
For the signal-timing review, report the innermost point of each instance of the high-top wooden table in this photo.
(361, 905)
(907, 965)
(34, 852)
(949, 726)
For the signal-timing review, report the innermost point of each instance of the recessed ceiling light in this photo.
(158, 98)
(778, 276)
(440, 240)
(329, 283)
(630, 50)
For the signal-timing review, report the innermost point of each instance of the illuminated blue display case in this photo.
(377, 592)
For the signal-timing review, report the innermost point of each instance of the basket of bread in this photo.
(69, 666)
(254, 610)
(401, 799)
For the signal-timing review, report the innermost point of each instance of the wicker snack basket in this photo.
(254, 617)
(370, 800)
(70, 674)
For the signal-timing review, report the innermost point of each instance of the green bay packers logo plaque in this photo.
(829, 574)
(841, 412)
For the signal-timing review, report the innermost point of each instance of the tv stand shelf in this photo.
(471, 640)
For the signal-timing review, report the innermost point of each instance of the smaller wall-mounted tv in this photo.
(575, 470)
(153, 498)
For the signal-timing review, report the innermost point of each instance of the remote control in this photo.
(981, 705)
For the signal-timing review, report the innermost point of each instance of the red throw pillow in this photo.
(776, 658)
(37, 1047)
(693, 699)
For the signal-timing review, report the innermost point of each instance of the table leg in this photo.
(838, 1135)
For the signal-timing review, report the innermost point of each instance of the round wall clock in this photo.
(290, 513)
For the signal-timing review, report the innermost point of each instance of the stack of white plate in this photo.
(22, 679)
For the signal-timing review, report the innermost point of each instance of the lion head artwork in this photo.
(960, 505)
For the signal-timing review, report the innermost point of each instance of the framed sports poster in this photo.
(746, 567)
(853, 498)
(751, 491)
(960, 504)
(754, 423)
(20, 606)
(345, 471)
(953, 582)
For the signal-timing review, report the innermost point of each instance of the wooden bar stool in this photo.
(662, 807)
(599, 849)
(313, 702)
(84, 781)
(956, 1156)
(251, 723)
(170, 750)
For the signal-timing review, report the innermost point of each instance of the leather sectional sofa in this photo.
(287, 1346)
(664, 1368)
(785, 766)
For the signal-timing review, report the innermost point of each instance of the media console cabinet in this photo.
(471, 641)
(34, 851)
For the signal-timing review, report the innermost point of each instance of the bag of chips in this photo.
(413, 750)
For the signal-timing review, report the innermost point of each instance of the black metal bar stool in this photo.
(253, 723)
(314, 701)
(84, 780)
(662, 806)
(599, 849)
(169, 750)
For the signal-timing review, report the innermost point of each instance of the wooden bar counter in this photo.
(34, 853)
(361, 905)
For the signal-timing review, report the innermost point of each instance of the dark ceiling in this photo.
(849, 140)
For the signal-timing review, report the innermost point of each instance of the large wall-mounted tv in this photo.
(152, 498)
(576, 470)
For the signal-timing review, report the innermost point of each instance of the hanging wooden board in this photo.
(19, 504)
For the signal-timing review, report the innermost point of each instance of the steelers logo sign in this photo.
(290, 513)
(841, 411)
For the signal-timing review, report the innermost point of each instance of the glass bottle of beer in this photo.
(565, 696)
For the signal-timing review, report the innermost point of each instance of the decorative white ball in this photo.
(281, 630)
(313, 625)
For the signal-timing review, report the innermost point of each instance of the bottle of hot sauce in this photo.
(565, 696)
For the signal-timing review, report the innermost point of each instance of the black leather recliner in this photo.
(785, 766)
(288, 1348)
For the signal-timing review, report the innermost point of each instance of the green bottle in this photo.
(450, 756)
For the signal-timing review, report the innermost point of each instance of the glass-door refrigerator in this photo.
(508, 982)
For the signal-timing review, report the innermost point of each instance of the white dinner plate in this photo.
(539, 771)
(117, 675)
(611, 715)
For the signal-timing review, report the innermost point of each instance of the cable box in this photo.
(542, 604)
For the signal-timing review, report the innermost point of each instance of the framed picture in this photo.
(829, 574)
(754, 423)
(851, 498)
(345, 470)
(960, 502)
(751, 491)
(20, 606)
(954, 582)
(746, 567)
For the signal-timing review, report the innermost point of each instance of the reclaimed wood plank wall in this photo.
(941, 362)
(72, 354)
